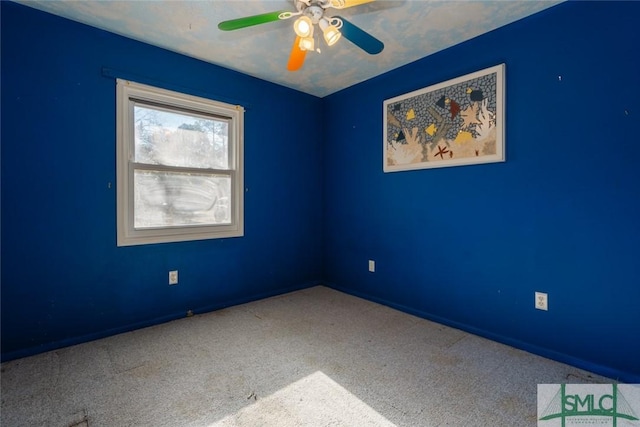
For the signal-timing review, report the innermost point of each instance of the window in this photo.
(180, 166)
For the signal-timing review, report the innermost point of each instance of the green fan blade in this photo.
(249, 21)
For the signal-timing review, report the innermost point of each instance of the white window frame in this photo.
(127, 93)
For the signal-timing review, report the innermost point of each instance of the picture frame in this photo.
(454, 123)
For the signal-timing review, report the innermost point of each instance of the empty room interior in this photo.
(332, 289)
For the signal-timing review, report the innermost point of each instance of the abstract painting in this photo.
(453, 123)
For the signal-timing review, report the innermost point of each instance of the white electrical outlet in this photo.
(372, 266)
(542, 301)
(173, 277)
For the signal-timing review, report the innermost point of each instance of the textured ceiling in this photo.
(410, 30)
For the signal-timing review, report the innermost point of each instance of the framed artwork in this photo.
(453, 123)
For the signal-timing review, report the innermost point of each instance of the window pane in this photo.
(180, 139)
(167, 199)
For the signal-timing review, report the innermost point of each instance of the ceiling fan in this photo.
(311, 13)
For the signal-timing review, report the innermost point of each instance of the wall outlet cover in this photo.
(542, 301)
(173, 277)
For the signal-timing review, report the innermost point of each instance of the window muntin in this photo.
(179, 167)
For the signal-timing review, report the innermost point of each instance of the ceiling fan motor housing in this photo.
(313, 9)
(315, 13)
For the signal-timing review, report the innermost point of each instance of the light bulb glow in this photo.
(303, 26)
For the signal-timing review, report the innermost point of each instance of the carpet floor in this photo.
(315, 357)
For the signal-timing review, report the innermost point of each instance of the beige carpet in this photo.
(316, 357)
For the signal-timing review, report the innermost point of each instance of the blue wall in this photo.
(63, 278)
(469, 246)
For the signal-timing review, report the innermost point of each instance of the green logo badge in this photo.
(591, 404)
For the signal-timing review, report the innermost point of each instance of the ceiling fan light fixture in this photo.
(303, 27)
(332, 35)
(331, 32)
(306, 43)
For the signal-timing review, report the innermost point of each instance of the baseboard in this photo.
(606, 371)
(256, 297)
(55, 345)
